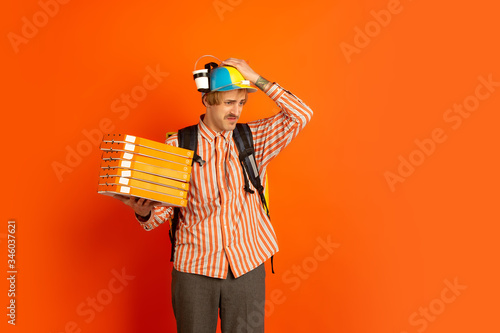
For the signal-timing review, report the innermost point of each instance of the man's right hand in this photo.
(141, 206)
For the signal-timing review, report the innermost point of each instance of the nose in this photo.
(237, 108)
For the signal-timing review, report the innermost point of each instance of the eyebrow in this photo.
(234, 100)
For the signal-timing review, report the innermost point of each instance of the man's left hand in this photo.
(243, 67)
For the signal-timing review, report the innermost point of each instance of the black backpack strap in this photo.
(188, 138)
(244, 142)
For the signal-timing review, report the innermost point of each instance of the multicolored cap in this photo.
(228, 78)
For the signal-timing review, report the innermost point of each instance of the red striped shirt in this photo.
(222, 224)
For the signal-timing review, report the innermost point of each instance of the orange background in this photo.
(396, 248)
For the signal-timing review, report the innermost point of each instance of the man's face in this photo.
(223, 117)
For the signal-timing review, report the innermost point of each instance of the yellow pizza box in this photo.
(111, 156)
(148, 144)
(151, 169)
(122, 155)
(139, 150)
(163, 199)
(146, 177)
(143, 185)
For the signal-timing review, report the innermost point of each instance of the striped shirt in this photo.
(223, 224)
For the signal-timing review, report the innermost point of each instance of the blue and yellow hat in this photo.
(228, 78)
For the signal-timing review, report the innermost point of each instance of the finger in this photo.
(136, 202)
(151, 203)
(229, 61)
(141, 202)
(122, 198)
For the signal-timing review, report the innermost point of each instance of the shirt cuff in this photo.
(143, 218)
(270, 88)
(276, 91)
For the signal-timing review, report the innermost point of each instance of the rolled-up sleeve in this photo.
(271, 135)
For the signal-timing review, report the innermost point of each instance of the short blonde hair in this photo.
(213, 97)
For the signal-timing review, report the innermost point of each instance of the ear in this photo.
(204, 101)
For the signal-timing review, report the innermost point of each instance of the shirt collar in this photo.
(210, 134)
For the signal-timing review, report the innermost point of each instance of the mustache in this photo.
(231, 116)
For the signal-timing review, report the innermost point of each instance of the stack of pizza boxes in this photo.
(133, 166)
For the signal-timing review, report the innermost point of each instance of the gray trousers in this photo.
(198, 301)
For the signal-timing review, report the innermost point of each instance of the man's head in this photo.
(224, 103)
(224, 108)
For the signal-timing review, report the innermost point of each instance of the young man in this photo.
(224, 235)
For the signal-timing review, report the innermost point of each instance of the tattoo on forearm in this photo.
(261, 83)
